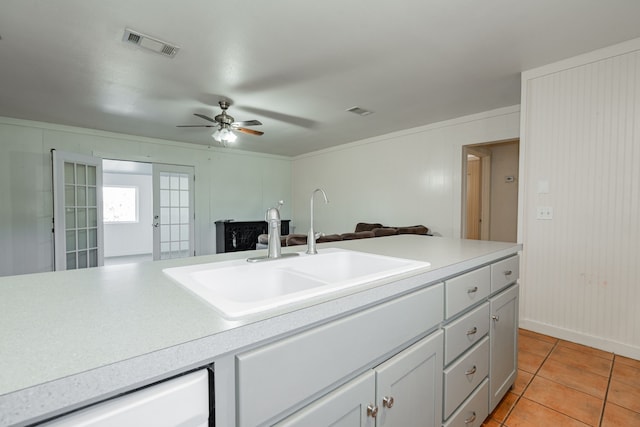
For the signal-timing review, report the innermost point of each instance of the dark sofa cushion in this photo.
(301, 239)
(296, 239)
(384, 231)
(414, 229)
(264, 239)
(358, 235)
(329, 238)
(365, 226)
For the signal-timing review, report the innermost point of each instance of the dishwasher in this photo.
(183, 401)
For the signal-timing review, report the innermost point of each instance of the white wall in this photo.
(131, 238)
(229, 184)
(404, 178)
(504, 195)
(581, 135)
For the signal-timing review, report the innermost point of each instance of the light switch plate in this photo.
(543, 186)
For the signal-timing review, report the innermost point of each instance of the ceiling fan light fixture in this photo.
(224, 135)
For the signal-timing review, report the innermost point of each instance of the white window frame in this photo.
(136, 201)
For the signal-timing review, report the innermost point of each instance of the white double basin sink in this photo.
(238, 288)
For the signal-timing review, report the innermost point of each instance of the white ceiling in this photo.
(295, 65)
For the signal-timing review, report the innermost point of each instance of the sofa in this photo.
(363, 230)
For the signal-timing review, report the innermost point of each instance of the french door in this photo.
(77, 206)
(78, 211)
(173, 211)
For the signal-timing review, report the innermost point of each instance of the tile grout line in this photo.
(604, 400)
(606, 393)
(503, 423)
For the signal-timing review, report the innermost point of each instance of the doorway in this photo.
(116, 212)
(148, 211)
(127, 209)
(490, 191)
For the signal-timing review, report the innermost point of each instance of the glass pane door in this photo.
(77, 211)
(173, 211)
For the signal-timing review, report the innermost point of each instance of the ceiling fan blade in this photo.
(202, 116)
(196, 126)
(250, 131)
(286, 118)
(247, 123)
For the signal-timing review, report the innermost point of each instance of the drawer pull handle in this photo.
(388, 402)
(372, 411)
(471, 371)
(471, 419)
(495, 317)
(472, 290)
(508, 273)
(472, 331)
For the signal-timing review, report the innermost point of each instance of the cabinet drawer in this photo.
(465, 332)
(273, 378)
(465, 290)
(464, 375)
(472, 412)
(504, 273)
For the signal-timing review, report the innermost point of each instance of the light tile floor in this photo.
(561, 383)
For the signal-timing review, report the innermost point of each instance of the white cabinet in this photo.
(464, 375)
(465, 332)
(453, 377)
(504, 273)
(466, 290)
(403, 391)
(182, 401)
(480, 354)
(474, 411)
(503, 333)
(345, 407)
(278, 376)
(409, 386)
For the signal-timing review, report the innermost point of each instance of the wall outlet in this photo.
(544, 212)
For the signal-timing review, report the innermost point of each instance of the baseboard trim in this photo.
(581, 338)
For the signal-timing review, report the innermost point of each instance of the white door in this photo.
(173, 211)
(77, 206)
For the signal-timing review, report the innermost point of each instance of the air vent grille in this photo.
(150, 43)
(359, 111)
(134, 38)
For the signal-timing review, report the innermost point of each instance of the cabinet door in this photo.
(503, 365)
(409, 386)
(278, 376)
(344, 407)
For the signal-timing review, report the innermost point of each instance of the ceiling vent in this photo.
(359, 111)
(150, 43)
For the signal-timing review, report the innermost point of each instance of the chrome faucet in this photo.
(272, 217)
(311, 236)
(274, 249)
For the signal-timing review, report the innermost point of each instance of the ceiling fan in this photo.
(226, 125)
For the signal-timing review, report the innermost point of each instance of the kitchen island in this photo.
(71, 339)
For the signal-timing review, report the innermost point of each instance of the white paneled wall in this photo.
(405, 178)
(581, 136)
(229, 184)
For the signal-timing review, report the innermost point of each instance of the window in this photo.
(120, 204)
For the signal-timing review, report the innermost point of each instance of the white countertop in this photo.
(70, 338)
